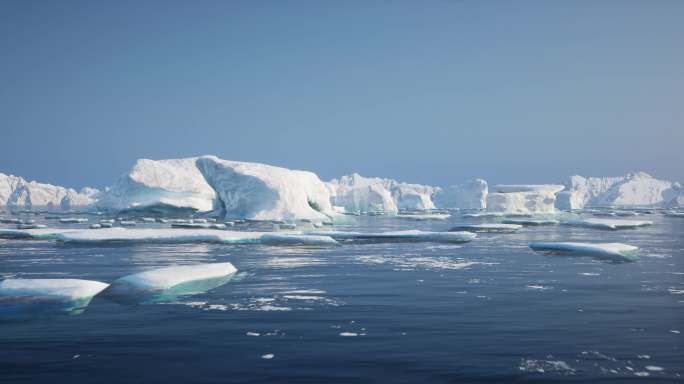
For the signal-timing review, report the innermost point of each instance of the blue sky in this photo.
(423, 91)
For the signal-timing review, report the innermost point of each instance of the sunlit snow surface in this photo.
(489, 310)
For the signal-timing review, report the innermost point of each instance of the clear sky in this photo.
(423, 91)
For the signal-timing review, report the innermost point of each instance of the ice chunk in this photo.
(527, 222)
(482, 215)
(396, 236)
(73, 220)
(174, 235)
(612, 251)
(169, 282)
(470, 195)
(31, 226)
(264, 192)
(607, 223)
(487, 227)
(39, 297)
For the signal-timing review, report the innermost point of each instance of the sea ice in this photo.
(408, 235)
(526, 222)
(612, 251)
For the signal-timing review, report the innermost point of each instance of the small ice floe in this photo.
(487, 227)
(610, 251)
(482, 215)
(424, 217)
(107, 221)
(255, 334)
(674, 331)
(127, 223)
(199, 226)
(148, 220)
(284, 226)
(530, 222)
(95, 226)
(268, 356)
(348, 334)
(539, 287)
(38, 233)
(654, 368)
(400, 236)
(589, 274)
(31, 226)
(674, 214)
(73, 220)
(607, 223)
(168, 283)
(10, 221)
(161, 220)
(21, 298)
(106, 225)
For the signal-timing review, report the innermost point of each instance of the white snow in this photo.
(470, 195)
(64, 290)
(17, 192)
(633, 189)
(173, 183)
(606, 223)
(173, 235)
(488, 227)
(615, 251)
(408, 235)
(264, 192)
(162, 279)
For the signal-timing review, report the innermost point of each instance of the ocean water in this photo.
(487, 311)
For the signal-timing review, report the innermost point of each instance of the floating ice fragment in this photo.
(73, 220)
(398, 236)
(487, 227)
(530, 222)
(612, 251)
(268, 356)
(607, 223)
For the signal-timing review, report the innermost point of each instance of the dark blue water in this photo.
(487, 311)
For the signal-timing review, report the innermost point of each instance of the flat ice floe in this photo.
(36, 297)
(409, 235)
(611, 251)
(173, 235)
(528, 222)
(38, 233)
(427, 216)
(607, 223)
(482, 215)
(487, 227)
(169, 282)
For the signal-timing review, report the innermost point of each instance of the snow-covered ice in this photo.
(530, 222)
(17, 192)
(607, 223)
(612, 251)
(408, 235)
(487, 227)
(174, 235)
(171, 281)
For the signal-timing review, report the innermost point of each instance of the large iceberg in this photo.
(633, 189)
(523, 198)
(164, 185)
(169, 282)
(35, 297)
(470, 195)
(17, 192)
(610, 251)
(265, 192)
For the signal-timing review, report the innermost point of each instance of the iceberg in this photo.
(607, 223)
(633, 189)
(170, 282)
(470, 195)
(175, 235)
(174, 185)
(530, 222)
(487, 227)
(524, 198)
(264, 192)
(18, 193)
(398, 236)
(40, 297)
(611, 251)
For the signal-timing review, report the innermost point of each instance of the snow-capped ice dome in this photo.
(265, 192)
(173, 183)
